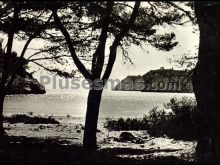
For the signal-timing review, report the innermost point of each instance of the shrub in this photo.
(22, 118)
(125, 125)
(180, 123)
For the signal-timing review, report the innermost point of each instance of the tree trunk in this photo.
(93, 103)
(206, 81)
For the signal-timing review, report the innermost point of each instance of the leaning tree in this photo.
(110, 26)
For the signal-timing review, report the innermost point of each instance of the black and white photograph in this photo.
(109, 82)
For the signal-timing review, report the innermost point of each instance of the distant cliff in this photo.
(161, 80)
(24, 82)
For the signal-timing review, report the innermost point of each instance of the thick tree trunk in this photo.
(93, 103)
(206, 81)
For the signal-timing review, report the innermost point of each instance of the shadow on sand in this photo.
(32, 150)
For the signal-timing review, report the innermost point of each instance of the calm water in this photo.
(73, 103)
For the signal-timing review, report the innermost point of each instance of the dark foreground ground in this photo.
(32, 150)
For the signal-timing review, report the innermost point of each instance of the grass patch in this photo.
(180, 123)
(22, 118)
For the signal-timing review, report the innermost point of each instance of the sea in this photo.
(114, 104)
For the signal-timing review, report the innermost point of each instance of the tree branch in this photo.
(47, 58)
(20, 64)
(99, 55)
(70, 45)
(181, 9)
(116, 42)
(47, 69)
(57, 71)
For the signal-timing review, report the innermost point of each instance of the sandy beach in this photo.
(70, 132)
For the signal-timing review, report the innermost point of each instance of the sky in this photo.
(155, 59)
(150, 58)
(143, 60)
